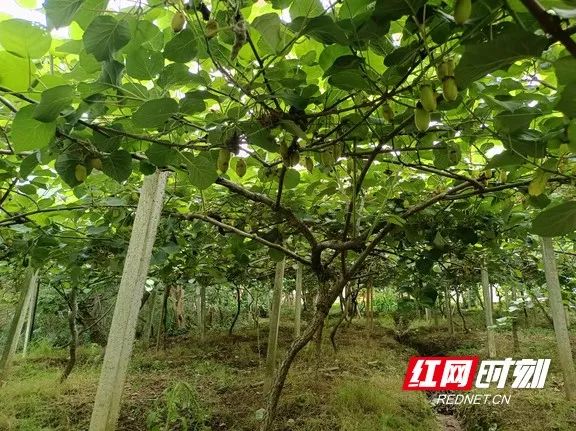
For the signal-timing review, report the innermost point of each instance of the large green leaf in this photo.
(270, 27)
(15, 72)
(201, 169)
(144, 64)
(567, 102)
(161, 155)
(154, 113)
(321, 28)
(24, 38)
(511, 45)
(28, 133)
(65, 166)
(118, 165)
(565, 68)
(53, 101)
(104, 36)
(307, 8)
(512, 122)
(394, 9)
(556, 221)
(182, 48)
(88, 11)
(60, 13)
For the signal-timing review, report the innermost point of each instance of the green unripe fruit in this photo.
(462, 11)
(223, 160)
(178, 22)
(387, 112)
(309, 164)
(421, 118)
(454, 153)
(327, 158)
(211, 29)
(96, 164)
(450, 89)
(294, 158)
(80, 173)
(241, 167)
(337, 151)
(283, 150)
(446, 68)
(428, 97)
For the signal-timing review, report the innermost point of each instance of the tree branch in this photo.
(551, 25)
(258, 197)
(192, 216)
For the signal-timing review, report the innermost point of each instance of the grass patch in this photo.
(379, 404)
(40, 402)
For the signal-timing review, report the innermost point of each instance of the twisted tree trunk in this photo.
(72, 313)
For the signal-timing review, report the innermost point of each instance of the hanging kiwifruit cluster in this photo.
(462, 11)
(446, 75)
(428, 100)
(290, 154)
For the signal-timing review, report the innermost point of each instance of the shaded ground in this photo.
(217, 385)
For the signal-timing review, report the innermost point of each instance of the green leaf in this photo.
(104, 36)
(24, 38)
(506, 158)
(65, 165)
(307, 8)
(154, 113)
(29, 133)
(351, 8)
(118, 165)
(144, 64)
(111, 73)
(449, 155)
(192, 103)
(275, 254)
(88, 11)
(556, 221)
(269, 27)
(511, 45)
(28, 4)
(538, 184)
(511, 122)
(571, 133)
(528, 143)
(182, 47)
(161, 155)
(174, 74)
(52, 102)
(146, 167)
(59, 13)
(564, 68)
(567, 102)
(293, 128)
(291, 178)
(201, 169)
(321, 28)
(28, 164)
(15, 72)
(394, 9)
